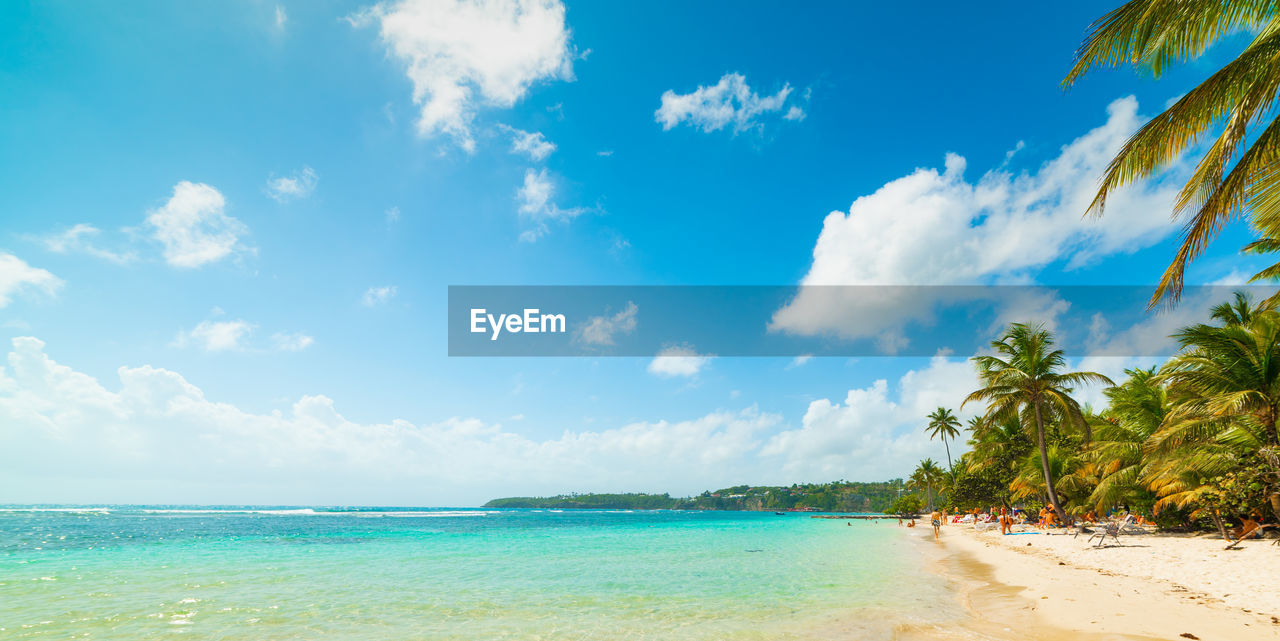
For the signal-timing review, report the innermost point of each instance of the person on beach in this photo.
(936, 520)
(1006, 523)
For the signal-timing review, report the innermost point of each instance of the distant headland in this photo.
(839, 496)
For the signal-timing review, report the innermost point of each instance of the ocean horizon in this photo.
(283, 572)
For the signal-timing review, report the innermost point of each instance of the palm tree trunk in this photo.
(929, 489)
(1217, 520)
(949, 465)
(1044, 464)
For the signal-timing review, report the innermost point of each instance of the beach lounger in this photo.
(1253, 530)
(1113, 530)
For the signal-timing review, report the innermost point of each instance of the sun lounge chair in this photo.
(1250, 529)
(1112, 529)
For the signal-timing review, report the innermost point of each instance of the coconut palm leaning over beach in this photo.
(1025, 381)
(1240, 97)
(943, 424)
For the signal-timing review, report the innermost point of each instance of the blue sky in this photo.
(228, 230)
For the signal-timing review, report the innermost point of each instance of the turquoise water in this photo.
(162, 573)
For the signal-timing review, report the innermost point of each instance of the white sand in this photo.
(1149, 586)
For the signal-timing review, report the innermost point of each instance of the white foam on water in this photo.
(408, 514)
(306, 511)
(71, 510)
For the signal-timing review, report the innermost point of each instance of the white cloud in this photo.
(193, 227)
(378, 295)
(799, 361)
(233, 335)
(296, 186)
(600, 330)
(291, 341)
(281, 17)
(731, 101)
(534, 196)
(678, 360)
(16, 276)
(875, 434)
(604, 153)
(534, 145)
(937, 228)
(69, 437)
(215, 336)
(462, 55)
(1235, 278)
(392, 215)
(76, 240)
(534, 200)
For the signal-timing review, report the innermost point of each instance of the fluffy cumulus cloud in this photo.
(16, 277)
(151, 435)
(531, 144)
(78, 240)
(878, 432)
(535, 202)
(297, 185)
(934, 227)
(678, 361)
(194, 228)
(731, 102)
(463, 55)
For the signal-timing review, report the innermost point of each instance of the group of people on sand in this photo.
(1006, 518)
(1047, 518)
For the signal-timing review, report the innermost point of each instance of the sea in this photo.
(134, 573)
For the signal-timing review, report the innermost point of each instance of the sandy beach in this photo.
(1051, 586)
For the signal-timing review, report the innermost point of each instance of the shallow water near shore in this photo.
(284, 573)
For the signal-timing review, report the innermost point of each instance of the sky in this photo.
(228, 230)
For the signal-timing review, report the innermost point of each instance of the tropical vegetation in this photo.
(1236, 176)
(944, 425)
(1194, 442)
(838, 496)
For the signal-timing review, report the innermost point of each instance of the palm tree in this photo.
(926, 475)
(1025, 380)
(944, 424)
(1227, 381)
(1136, 409)
(1238, 171)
